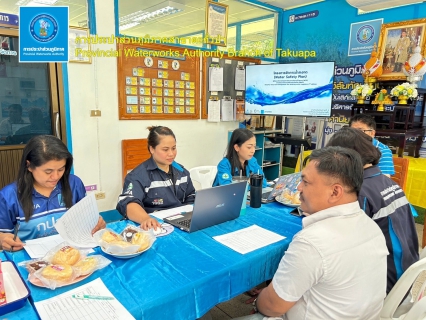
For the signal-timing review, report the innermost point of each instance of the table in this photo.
(184, 275)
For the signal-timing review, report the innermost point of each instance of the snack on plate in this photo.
(66, 255)
(121, 243)
(142, 240)
(109, 236)
(33, 266)
(57, 272)
(296, 199)
(128, 233)
(86, 266)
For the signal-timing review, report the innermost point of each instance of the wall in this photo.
(97, 141)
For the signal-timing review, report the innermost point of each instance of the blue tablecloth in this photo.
(184, 275)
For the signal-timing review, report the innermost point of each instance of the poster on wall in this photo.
(216, 23)
(363, 36)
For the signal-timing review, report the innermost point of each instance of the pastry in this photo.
(141, 239)
(66, 255)
(128, 233)
(109, 236)
(57, 272)
(86, 266)
(36, 265)
(296, 198)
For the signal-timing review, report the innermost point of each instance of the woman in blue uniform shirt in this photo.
(156, 184)
(239, 158)
(43, 192)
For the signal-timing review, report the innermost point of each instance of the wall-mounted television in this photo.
(295, 89)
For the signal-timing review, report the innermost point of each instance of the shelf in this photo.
(272, 147)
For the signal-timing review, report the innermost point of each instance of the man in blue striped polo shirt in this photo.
(367, 124)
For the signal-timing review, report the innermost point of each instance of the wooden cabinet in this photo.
(398, 121)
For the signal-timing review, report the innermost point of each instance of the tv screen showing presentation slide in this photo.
(296, 89)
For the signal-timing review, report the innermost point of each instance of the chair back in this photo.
(133, 153)
(203, 175)
(401, 171)
(400, 289)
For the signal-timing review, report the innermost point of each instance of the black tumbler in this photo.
(256, 182)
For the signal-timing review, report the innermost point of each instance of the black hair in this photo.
(154, 135)
(354, 139)
(16, 106)
(238, 137)
(363, 118)
(342, 164)
(39, 150)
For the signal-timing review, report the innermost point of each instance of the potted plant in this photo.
(361, 91)
(403, 92)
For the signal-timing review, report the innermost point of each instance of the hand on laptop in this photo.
(150, 223)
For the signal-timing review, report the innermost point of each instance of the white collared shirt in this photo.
(335, 267)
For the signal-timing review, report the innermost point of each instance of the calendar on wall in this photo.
(157, 82)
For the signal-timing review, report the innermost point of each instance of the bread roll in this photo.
(109, 236)
(57, 272)
(66, 255)
(141, 239)
(86, 266)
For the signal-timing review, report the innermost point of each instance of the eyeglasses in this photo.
(366, 130)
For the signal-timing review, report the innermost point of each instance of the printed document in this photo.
(240, 79)
(227, 110)
(213, 110)
(76, 225)
(249, 239)
(64, 306)
(171, 212)
(215, 79)
(37, 248)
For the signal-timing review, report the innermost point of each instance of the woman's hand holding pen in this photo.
(8, 243)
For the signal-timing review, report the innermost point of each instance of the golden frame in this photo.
(394, 50)
(75, 32)
(208, 39)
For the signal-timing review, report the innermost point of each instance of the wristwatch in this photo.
(255, 306)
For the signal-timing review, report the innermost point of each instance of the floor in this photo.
(237, 307)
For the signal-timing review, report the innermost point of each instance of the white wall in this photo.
(97, 140)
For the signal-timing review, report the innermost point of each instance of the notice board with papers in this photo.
(157, 82)
(232, 83)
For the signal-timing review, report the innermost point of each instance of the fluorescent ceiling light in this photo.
(23, 3)
(160, 10)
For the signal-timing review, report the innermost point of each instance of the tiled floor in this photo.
(237, 307)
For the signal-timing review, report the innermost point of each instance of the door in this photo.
(31, 103)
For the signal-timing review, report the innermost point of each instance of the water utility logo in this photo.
(43, 28)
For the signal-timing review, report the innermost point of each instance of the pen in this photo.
(89, 296)
(15, 233)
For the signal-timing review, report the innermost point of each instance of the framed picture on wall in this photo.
(396, 45)
(216, 23)
(78, 45)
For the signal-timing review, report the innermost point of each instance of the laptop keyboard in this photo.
(185, 223)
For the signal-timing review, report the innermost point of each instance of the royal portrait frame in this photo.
(392, 58)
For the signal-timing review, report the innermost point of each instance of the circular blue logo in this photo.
(365, 33)
(44, 28)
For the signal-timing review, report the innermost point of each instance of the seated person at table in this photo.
(156, 184)
(367, 124)
(43, 192)
(385, 202)
(239, 158)
(335, 267)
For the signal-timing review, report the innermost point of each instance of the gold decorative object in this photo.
(381, 99)
(360, 100)
(372, 69)
(402, 99)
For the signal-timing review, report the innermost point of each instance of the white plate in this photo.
(279, 199)
(125, 256)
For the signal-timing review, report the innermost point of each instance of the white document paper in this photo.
(249, 239)
(76, 225)
(213, 110)
(171, 212)
(215, 79)
(37, 248)
(64, 306)
(227, 110)
(240, 79)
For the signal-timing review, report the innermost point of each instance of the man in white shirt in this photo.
(335, 267)
(15, 117)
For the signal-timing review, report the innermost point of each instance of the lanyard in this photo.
(173, 179)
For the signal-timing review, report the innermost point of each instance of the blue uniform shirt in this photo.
(224, 175)
(46, 210)
(385, 163)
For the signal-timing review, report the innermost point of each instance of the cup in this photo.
(244, 204)
(256, 182)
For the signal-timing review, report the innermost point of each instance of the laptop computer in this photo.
(211, 207)
(287, 181)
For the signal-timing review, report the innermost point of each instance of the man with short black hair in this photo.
(335, 267)
(367, 124)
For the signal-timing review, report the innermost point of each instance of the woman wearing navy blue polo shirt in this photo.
(43, 192)
(239, 158)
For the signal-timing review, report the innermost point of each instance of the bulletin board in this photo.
(158, 82)
(229, 65)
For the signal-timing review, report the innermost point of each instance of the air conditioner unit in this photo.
(371, 5)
